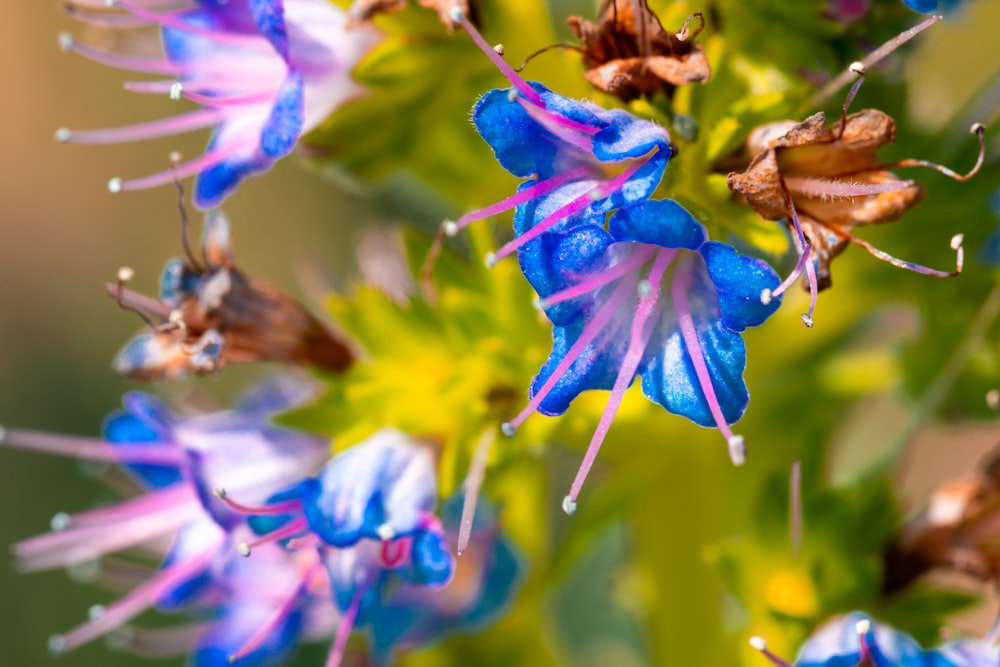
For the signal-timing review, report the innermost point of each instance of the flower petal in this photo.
(661, 222)
(284, 126)
(739, 280)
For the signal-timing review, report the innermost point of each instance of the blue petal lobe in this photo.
(739, 280)
(661, 222)
(283, 127)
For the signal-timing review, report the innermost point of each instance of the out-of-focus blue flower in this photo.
(486, 577)
(606, 293)
(854, 638)
(591, 160)
(929, 6)
(177, 462)
(263, 71)
(369, 513)
(989, 254)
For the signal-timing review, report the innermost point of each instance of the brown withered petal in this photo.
(957, 530)
(219, 315)
(628, 53)
(822, 168)
(362, 11)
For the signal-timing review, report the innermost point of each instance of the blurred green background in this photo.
(64, 235)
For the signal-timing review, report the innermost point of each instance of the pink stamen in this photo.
(956, 245)
(689, 334)
(637, 258)
(589, 333)
(110, 529)
(795, 507)
(805, 262)
(862, 629)
(159, 642)
(598, 192)
(280, 614)
(346, 626)
(147, 65)
(828, 188)
(761, 645)
(527, 194)
(169, 20)
(473, 482)
(559, 127)
(283, 507)
(458, 16)
(147, 87)
(164, 127)
(289, 530)
(105, 19)
(638, 339)
(136, 301)
(184, 170)
(91, 448)
(235, 101)
(133, 604)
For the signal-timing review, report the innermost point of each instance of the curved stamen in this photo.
(283, 507)
(956, 245)
(164, 127)
(458, 16)
(473, 482)
(979, 130)
(175, 21)
(589, 333)
(639, 256)
(761, 645)
(566, 130)
(638, 339)
(805, 262)
(346, 626)
(689, 334)
(141, 303)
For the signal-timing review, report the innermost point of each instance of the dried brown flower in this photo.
(628, 53)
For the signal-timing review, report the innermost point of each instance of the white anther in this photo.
(499, 49)
(60, 521)
(110, 3)
(857, 67)
(449, 227)
(508, 429)
(456, 13)
(512, 95)
(537, 303)
(115, 185)
(643, 288)
(95, 612)
(63, 135)
(57, 644)
(568, 505)
(219, 493)
(385, 532)
(244, 549)
(956, 241)
(863, 626)
(765, 296)
(490, 260)
(737, 450)
(66, 42)
(758, 643)
(176, 318)
(125, 274)
(176, 90)
(977, 128)
(807, 320)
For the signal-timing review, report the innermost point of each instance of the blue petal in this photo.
(923, 6)
(269, 16)
(739, 280)
(431, 563)
(176, 283)
(836, 644)
(385, 480)
(596, 368)
(963, 653)
(668, 374)
(146, 420)
(238, 623)
(191, 540)
(661, 222)
(218, 182)
(628, 136)
(354, 571)
(283, 127)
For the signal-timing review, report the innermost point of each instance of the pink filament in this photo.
(598, 192)
(805, 261)
(162, 642)
(173, 21)
(501, 64)
(346, 626)
(831, 187)
(639, 257)
(563, 128)
(910, 266)
(105, 19)
(689, 334)
(527, 194)
(190, 168)
(589, 333)
(291, 529)
(220, 101)
(164, 127)
(136, 602)
(473, 482)
(283, 507)
(92, 448)
(639, 335)
(280, 614)
(150, 66)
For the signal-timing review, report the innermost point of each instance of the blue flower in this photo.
(590, 159)
(649, 297)
(177, 462)
(265, 72)
(853, 638)
(929, 6)
(989, 254)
